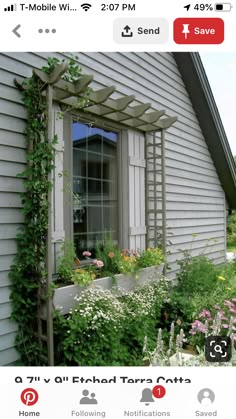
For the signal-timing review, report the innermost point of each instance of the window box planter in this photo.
(64, 297)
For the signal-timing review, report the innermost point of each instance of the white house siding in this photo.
(195, 198)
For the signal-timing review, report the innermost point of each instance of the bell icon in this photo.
(147, 396)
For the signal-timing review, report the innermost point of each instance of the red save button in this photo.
(198, 31)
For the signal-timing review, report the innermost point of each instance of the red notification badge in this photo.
(158, 392)
(198, 31)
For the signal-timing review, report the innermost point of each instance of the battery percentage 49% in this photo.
(204, 7)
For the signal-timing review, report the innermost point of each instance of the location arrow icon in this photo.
(187, 7)
(15, 31)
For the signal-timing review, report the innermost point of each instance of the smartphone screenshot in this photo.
(117, 209)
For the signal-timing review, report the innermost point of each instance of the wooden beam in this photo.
(21, 84)
(118, 116)
(166, 122)
(55, 75)
(65, 90)
(82, 83)
(111, 105)
(119, 104)
(148, 128)
(98, 110)
(152, 116)
(138, 110)
(133, 122)
(101, 95)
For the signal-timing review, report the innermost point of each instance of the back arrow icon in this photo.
(15, 31)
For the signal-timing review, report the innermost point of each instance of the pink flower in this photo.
(198, 326)
(86, 253)
(225, 326)
(111, 255)
(232, 310)
(99, 263)
(205, 314)
(229, 304)
(217, 307)
(234, 299)
(95, 261)
(222, 315)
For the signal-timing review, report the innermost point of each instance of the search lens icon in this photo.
(218, 349)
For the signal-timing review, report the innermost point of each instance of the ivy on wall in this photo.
(28, 273)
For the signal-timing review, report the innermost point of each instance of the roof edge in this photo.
(198, 87)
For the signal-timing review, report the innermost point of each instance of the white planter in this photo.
(64, 297)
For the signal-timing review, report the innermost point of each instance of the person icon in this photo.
(206, 401)
(85, 399)
(206, 397)
(93, 400)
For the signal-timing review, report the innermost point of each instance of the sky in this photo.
(221, 72)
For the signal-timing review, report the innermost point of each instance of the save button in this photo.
(198, 31)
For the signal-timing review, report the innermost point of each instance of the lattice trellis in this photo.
(141, 117)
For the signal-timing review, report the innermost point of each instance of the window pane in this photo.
(79, 162)
(110, 218)
(95, 219)
(109, 167)
(94, 165)
(94, 184)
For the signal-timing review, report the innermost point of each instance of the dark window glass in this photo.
(95, 205)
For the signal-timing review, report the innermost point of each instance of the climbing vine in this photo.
(28, 273)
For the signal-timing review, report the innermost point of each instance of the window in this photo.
(95, 203)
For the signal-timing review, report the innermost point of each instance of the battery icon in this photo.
(223, 7)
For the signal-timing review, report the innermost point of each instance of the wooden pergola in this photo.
(141, 117)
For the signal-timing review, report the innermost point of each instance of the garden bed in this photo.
(64, 297)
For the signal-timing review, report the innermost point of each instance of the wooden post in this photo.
(49, 305)
(163, 176)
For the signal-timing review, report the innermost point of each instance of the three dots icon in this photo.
(47, 30)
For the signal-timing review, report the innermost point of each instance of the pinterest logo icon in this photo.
(29, 396)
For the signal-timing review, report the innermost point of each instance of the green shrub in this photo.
(231, 228)
(107, 329)
(200, 285)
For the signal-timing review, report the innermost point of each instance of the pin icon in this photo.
(29, 396)
(185, 30)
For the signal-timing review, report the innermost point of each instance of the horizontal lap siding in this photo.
(12, 162)
(195, 199)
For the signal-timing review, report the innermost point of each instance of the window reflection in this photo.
(94, 185)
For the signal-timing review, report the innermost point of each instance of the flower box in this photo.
(64, 297)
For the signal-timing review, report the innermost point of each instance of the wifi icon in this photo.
(86, 6)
